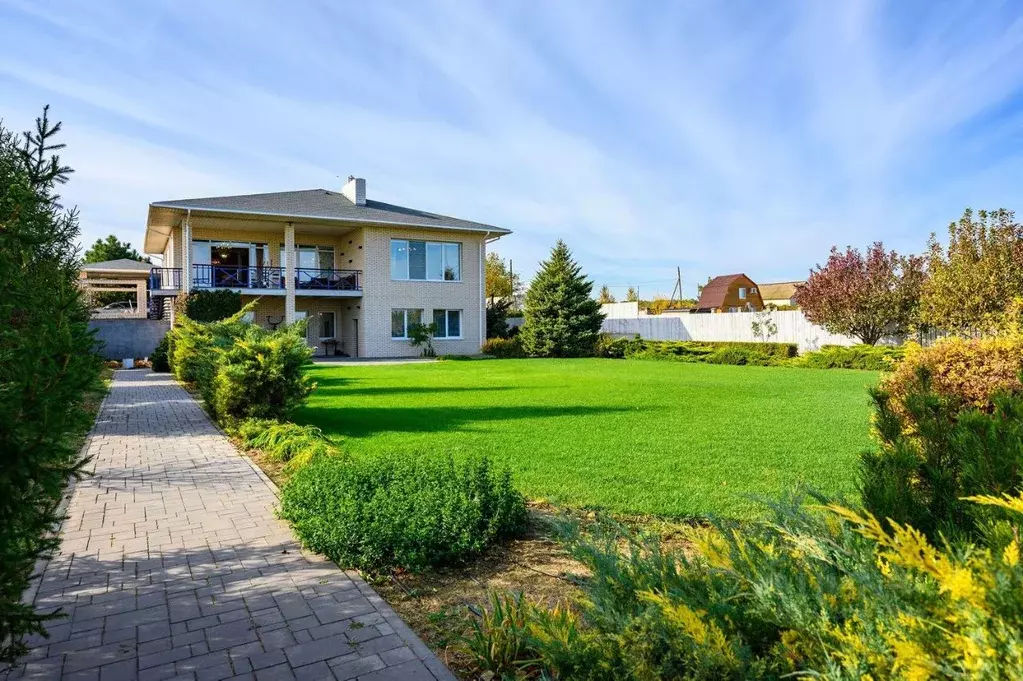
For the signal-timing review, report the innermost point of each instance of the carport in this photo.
(122, 275)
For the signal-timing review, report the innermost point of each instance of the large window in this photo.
(401, 320)
(311, 257)
(449, 323)
(426, 260)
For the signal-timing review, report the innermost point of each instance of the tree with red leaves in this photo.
(867, 296)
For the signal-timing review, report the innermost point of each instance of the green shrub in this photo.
(934, 452)
(159, 358)
(869, 357)
(211, 305)
(261, 374)
(242, 370)
(503, 348)
(283, 441)
(48, 364)
(825, 593)
(696, 351)
(401, 511)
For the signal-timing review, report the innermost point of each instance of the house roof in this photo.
(713, 294)
(121, 264)
(782, 290)
(317, 205)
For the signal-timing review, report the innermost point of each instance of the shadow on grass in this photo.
(366, 421)
(405, 390)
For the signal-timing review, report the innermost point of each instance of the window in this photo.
(249, 317)
(300, 315)
(426, 260)
(742, 293)
(326, 325)
(449, 323)
(400, 321)
(310, 257)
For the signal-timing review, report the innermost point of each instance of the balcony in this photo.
(316, 282)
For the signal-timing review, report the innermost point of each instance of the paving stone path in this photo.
(173, 565)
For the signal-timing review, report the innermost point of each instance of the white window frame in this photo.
(447, 322)
(742, 293)
(249, 317)
(405, 311)
(333, 325)
(426, 249)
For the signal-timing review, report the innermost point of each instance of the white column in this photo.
(483, 290)
(186, 254)
(289, 273)
(141, 304)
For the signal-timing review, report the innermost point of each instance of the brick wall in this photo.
(381, 294)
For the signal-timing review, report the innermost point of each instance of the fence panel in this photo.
(792, 327)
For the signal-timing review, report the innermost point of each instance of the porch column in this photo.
(289, 273)
(141, 304)
(186, 255)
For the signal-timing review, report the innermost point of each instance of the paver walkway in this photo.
(173, 565)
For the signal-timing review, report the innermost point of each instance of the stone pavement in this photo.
(173, 565)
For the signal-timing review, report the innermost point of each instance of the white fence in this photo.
(792, 327)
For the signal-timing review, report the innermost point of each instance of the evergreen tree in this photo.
(47, 364)
(632, 295)
(605, 296)
(562, 319)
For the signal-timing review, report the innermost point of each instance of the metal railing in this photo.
(165, 278)
(233, 276)
(328, 280)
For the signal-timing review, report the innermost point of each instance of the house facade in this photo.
(359, 271)
(730, 293)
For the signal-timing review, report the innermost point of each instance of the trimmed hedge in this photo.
(401, 511)
(870, 357)
(761, 354)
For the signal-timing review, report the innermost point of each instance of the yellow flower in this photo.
(911, 661)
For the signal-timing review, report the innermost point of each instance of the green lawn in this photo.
(632, 436)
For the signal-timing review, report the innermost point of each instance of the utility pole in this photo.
(677, 289)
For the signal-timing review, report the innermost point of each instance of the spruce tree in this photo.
(47, 363)
(562, 319)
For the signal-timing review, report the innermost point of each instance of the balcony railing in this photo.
(231, 276)
(165, 278)
(328, 280)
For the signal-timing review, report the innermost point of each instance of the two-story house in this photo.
(359, 271)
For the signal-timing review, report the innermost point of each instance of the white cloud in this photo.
(724, 137)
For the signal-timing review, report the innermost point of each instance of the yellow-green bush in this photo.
(969, 370)
(504, 348)
(823, 592)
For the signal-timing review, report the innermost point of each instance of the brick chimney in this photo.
(355, 190)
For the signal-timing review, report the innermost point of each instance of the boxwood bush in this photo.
(762, 354)
(401, 511)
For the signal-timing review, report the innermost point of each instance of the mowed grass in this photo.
(631, 436)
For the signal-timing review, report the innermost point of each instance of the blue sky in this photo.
(718, 136)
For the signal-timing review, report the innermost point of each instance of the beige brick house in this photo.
(359, 271)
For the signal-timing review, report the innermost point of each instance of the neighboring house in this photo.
(360, 271)
(781, 294)
(730, 293)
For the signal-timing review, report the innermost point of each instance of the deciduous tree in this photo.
(562, 318)
(864, 295)
(974, 278)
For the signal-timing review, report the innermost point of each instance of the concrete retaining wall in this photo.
(121, 338)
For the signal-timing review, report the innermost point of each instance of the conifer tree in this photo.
(605, 296)
(562, 318)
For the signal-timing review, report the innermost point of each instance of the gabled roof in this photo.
(780, 290)
(121, 264)
(318, 205)
(713, 294)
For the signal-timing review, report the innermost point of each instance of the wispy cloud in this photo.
(717, 136)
